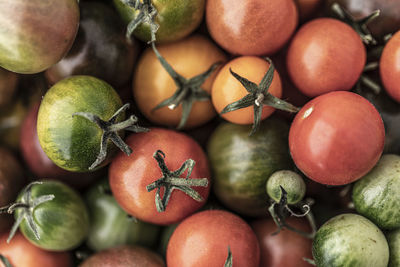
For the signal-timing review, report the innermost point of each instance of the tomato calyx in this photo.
(279, 211)
(27, 206)
(258, 97)
(188, 90)
(147, 14)
(110, 130)
(172, 180)
(360, 25)
(229, 259)
(5, 261)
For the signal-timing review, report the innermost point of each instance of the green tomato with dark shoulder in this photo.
(110, 224)
(393, 239)
(176, 18)
(377, 194)
(62, 223)
(350, 240)
(242, 164)
(73, 142)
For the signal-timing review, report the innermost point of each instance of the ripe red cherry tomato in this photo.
(325, 55)
(336, 138)
(202, 240)
(251, 27)
(390, 67)
(129, 175)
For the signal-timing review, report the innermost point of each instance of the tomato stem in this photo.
(110, 130)
(172, 180)
(5, 261)
(229, 259)
(147, 14)
(188, 90)
(258, 97)
(360, 26)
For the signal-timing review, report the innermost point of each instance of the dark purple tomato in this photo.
(100, 48)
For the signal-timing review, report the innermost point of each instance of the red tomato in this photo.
(325, 55)
(21, 253)
(336, 138)
(129, 175)
(202, 240)
(251, 27)
(286, 249)
(390, 67)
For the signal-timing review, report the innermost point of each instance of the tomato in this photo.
(11, 181)
(287, 248)
(227, 89)
(325, 55)
(20, 252)
(375, 195)
(307, 8)
(152, 84)
(175, 18)
(389, 66)
(8, 85)
(110, 225)
(336, 138)
(37, 160)
(350, 240)
(124, 256)
(393, 239)
(52, 216)
(100, 48)
(129, 176)
(40, 37)
(242, 164)
(203, 240)
(290, 181)
(387, 22)
(253, 27)
(67, 134)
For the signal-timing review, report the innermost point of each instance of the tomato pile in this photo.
(201, 133)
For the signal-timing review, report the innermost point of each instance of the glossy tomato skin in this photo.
(123, 256)
(176, 18)
(73, 143)
(39, 163)
(129, 176)
(336, 138)
(390, 68)
(202, 240)
(325, 55)
(11, 181)
(40, 37)
(287, 248)
(247, 27)
(100, 48)
(62, 223)
(152, 84)
(227, 89)
(20, 252)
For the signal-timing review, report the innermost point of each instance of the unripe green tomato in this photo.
(290, 181)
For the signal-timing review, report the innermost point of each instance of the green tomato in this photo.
(377, 195)
(110, 224)
(290, 181)
(62, 223)
(73, 142)
(176, 18)
(242, 164)
(350, 240)
(393, 239)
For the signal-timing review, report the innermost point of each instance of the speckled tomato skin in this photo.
(251, 27)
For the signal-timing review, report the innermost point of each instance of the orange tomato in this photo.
(152, 84)
(227, 89)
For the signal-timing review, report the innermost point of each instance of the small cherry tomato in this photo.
(336, 138)
(325, 55)
(390, 67)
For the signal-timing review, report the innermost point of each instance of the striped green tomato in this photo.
(350, 240)
(73, 142)
(377, 195)
(393, 239)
